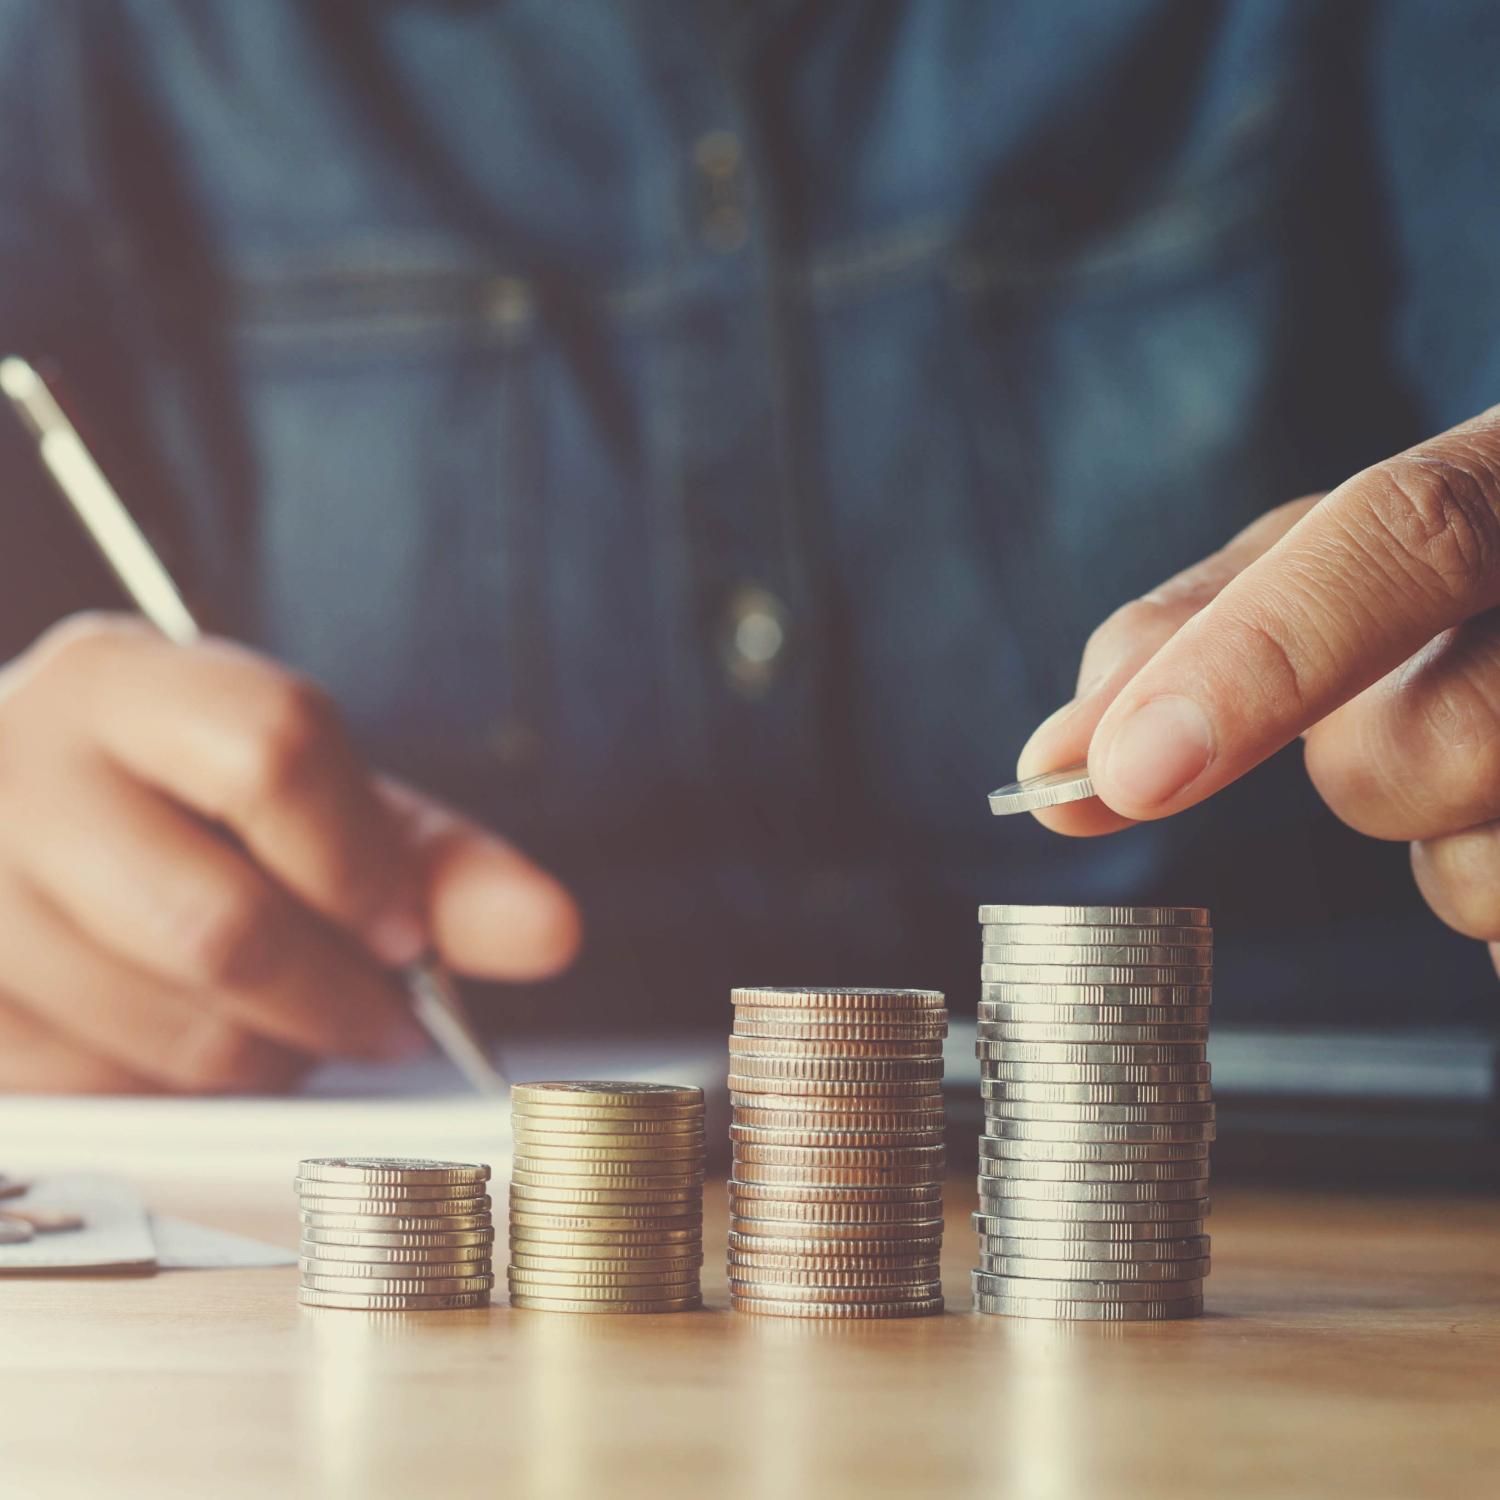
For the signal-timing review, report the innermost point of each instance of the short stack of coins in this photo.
(835, 1197)
(1093, 1031)
(606, 1199)
(387, 1234)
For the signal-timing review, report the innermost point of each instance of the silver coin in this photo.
(1070, 1227)
(894, 1232)
(1093, 1171)
(392, 1301)
(410, 1271)
(994, 952)
(1103, 1093)
(1061, 1072)
(1130, 935)
(337, 1213)
(406, 1255)
(846, 1090)
(1138, 1272)
(15, 1232)
(1138, 1053)
(1110, 1252)
(996, 1185)
(568, 1094)
(1099, 1151)
(1087, 1132)
(994, 1014)
(1092, 1032)
(1094, 1312)
(990, 1285)
(1124, 997)
(743, 1243)
(435, 1286)
(1050, 789)
(1099, 1114)
(1138, 975)
(391, 1170)
(1097, 916)
(1059, 1211)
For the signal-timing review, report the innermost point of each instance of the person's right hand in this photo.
(202, 888)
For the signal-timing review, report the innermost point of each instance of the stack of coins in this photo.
(836, 1192)
(606, 1201)
(385, 1234)
(1093, 1030)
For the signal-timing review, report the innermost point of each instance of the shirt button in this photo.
(720, 161)
(755, 639)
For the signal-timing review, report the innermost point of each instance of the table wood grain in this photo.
(1352, 1348)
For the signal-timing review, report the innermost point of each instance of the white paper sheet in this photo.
(184, 1246)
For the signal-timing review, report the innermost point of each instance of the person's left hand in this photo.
(1366, 622)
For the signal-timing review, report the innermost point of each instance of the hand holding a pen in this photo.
(141, 949)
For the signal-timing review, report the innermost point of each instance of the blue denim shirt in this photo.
(703, 435)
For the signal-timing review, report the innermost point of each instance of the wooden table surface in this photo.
(1352, 1348)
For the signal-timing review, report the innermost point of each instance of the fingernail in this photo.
(398, 937)
(1159, 749)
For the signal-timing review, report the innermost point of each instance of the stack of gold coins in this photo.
(1093, 1031)
(606, 1200)
(836, 1193)
(387, 1234)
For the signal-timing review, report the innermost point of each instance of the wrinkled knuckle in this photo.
(1442, 513)
(225, 941)
(291, 730)
(1120, 630)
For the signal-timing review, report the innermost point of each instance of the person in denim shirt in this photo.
(698, 441)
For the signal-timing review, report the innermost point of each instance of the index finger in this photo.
(1385, 562)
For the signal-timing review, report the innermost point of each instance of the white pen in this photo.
(141, 573)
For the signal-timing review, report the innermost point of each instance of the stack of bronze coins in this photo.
(606, 1199)
(389, 1234)
(1093, 1031)
(836, 1193)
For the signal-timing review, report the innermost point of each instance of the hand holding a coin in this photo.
(1364, 621)
(202, 886)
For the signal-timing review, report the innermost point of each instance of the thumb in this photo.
(493, 913)
(1367, 577)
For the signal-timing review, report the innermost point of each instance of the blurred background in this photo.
(700, 440)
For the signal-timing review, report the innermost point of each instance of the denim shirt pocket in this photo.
(389, 389)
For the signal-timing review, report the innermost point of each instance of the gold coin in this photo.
(596, 1220)
(391, 1301)
(570, 1305)
(642, 1202)
(775, 1308)
(394, 1208)
(605, 1094)
(835, 1192)
(679, 1267)
(836, 1280)
(914, 1236)
(419, 1240)
(406, 1270)
(395, 1256)
(553, 1124)
(598, 1165)
(395, 1223)
(608, 1181)
(674, 1212)
(581, 1282)
(624, 1243)
(436, 1286)
(539, 1284)
(610, 1148)
(364, 1192)
(791, 1292)
(392, 1170)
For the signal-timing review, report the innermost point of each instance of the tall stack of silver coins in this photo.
(387, 1234)
(606, 1199)
(1093, 1030)
(835, 1197)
